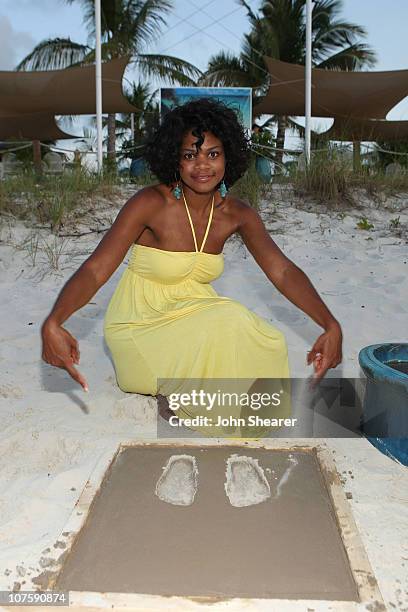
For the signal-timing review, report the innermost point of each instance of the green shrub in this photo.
(378, 182)
(249, 186)
(52, 200)
(327, 177)
(364, 224)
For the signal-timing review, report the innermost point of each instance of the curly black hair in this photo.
(162, 151)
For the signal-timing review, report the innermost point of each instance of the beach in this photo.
(53, 434)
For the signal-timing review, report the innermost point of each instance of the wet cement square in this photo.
(288, 546)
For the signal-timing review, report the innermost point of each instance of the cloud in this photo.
(13, 45)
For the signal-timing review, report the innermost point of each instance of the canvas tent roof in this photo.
(335, 93)
(38, 126)
(367, 130)
(29, 100)
(63, 92)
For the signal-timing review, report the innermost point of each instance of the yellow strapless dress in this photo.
(166, 326)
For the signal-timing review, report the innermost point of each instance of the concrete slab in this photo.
(289, 547)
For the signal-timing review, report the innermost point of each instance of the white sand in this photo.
(53, 434)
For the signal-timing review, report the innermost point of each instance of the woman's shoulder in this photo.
(152, 194)
(147, 201)
(237, 214)
(240, 209)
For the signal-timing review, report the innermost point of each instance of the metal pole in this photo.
(308, 78)
(98, 83)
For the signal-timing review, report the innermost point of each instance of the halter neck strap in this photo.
(192, 226)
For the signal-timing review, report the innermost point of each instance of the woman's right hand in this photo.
(61, 350)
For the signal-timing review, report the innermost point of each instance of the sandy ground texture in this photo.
(53, 434)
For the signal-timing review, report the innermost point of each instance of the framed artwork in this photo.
(238, 98)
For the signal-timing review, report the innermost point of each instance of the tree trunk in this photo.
(356, 156)
(112, 140)
(37, 157)
(280, 138)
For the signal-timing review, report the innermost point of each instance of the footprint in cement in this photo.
(246, 484)
(178, 483)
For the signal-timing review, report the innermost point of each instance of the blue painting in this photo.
(237, 98)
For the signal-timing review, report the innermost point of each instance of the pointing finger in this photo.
(76, 375)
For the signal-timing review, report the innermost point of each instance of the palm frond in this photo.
(110, 14)
(168, 68)
(253, 18)
(54, 54)
(225, 70)
(132, 23)
(354, 57)
(142, 99)
(88, 7)
(142, 21)
(336, 34)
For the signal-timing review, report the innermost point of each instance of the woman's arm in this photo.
(77, 292)
(107, 256)
(293, 283)
(59, 347)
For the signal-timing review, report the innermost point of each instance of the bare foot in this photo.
(163, 407)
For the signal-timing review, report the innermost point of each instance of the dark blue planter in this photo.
(138, 167)
(385, 406)
(263, 168)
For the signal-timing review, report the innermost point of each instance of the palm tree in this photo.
(128, 26)
(278, 30)
(145, 118)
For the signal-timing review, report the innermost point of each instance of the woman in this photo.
(165, 323)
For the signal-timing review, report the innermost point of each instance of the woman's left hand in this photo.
(326, 352)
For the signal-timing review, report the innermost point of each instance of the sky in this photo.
(197, 29)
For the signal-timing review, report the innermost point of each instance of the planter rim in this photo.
(379, 369)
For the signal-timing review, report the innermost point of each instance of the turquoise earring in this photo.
(177, 192)
(223, 189)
